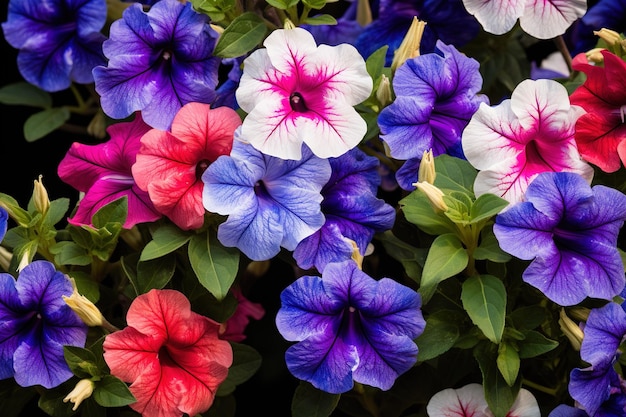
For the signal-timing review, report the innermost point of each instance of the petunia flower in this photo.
(59, 41)
(570, 231)
(159, 60)
(352, 211)
(103, 173)
(543, 19)
(436, 96)
(600, 132)
(295, 92)
(514, 141)
(609, 14)
(172, 356)
(349, 328)
(4, 220)
(170, 164)
(599, 386)
(235, 327)
(35, 324)
(270, 202)
(394, 17)
(469, 401)
(564, 410)
(346, 30)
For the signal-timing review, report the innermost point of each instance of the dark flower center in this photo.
(296, 101)
(201, 167)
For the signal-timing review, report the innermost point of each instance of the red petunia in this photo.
(173, 357)
(600, 133)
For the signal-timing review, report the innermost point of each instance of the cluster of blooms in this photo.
(227, 136)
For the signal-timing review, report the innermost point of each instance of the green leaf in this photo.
(484, 299)
(454, 174)
(314, 4)
(216, 9)
(112, 392)
(57, 211)
(25, 94)
(166, 239)
(535, 344)
(245, 33)
(418, 210)
(446, 258)
(376, 62)
(411, 258)
(489, 248)
(114, 212)
(40, 124)
(69, 253)
(528, 317)
(320, 19)
(486, 206)
(282, 4)
(246, 362)
(439, 335)
(311, 402)
(499, 395)
(508, 363)
(215, 265)
(155, 273)
(82, 362)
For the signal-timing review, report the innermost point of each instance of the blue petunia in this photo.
(4, 219)
(35, 324)
(159, 61)
(349, 327)
(352, 211)
(570, 231)
(436, 96)
(599, 387)
(59, 41)
(270, 202)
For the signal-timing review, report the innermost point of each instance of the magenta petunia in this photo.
(170, 164)
(103, 173)
(172, 356)
(514, 141)
(295, 92)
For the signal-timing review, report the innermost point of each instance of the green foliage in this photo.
(484, 299)
(311, 402)
(246, 362)
(44, 122)
(245, 33)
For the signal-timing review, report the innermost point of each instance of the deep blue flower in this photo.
(564, 410)
(609, 14)
(570, 230)
(447, 21)
(4, 219)
(599, 386)
(158, 62)
(436, 96)
(349, 327)
(35, 324)
(270, 202)
(59, 41)
(352, 211)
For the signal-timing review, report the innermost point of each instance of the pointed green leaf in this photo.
(155, 273)
(446, 258)
(418, 210)
(439, 335)
(454, 174)
(166, 239)
(69, 253)
(311, 402)
(320, 19)
(282, 4)
(489, 248)
(314, 4)
(82, 362)
(508, 363)
(215, 265)
(114, 212)
(411, 258)
(245, 33)
(535, 344)
(484, 299)
(40, 124)
(487, 206)
(112, 392)
(25, 94)
(246, 362)
(499, 395)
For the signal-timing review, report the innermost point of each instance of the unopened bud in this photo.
(40, 197)
(426, 172)
(434, 194)
(363, 13)
(98, 125)
(571, 330)
(609, 36)
(5, 259)
(595, 55)
(217, 28)
(356, 254)
(383, 93)
(410, 46)
(83, 390)
(288, 24)
(85, 309)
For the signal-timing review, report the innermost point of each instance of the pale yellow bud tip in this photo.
(571, 330)
(427, 171)
(410, 46)
(434, 194)
(85, 309)
(83, 390)
(611, 37)
(40, 197)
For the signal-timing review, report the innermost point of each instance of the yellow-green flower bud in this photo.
(288, 24)
(595, 56)
(383, 93)
(85, 309)
(5, 259)
(98, 125)
(426, 171)
(410, 46)
(83, 390)
(571, 330)
(434, 194)
(609, 36)
(40, 197)
(363, 12)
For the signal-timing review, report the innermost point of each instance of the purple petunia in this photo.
(349, 327)
(436, 96)
(59, 41)
(159, 61)
(570, 231)
(4, 219)
(35, 324)
(599, 388)
(270, 202)
(352, 211)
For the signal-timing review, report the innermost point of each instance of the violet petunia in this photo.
(352, 211)
(544, 19)
(570, 231)
(297, 92)
(4, 219)
(349, 328)
(270, 202)
(59, 41)
(436, 96)
(514, 141)
(159, 60)
(599, 386)
(35, 324)
(104, 173)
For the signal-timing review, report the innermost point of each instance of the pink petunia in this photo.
(295, 92)
(170, 163)
(543, 19)
(235, 327)
(600, 133)
(530, 133)
(469, 401)
(103, 173)
(172, 356)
